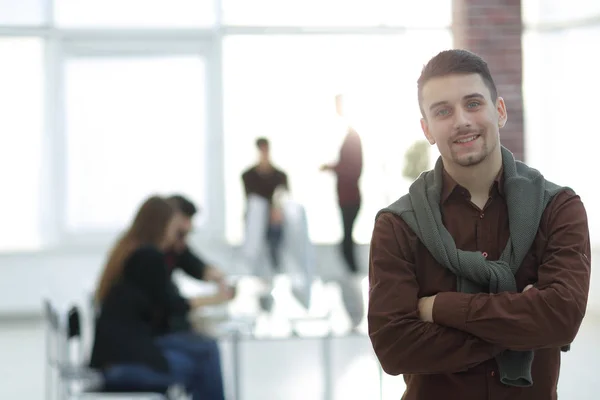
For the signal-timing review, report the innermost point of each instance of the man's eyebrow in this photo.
(439, 103)
(467, 97)
(473, 96)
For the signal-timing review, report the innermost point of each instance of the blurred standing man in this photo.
(348, 170)
(263, 179)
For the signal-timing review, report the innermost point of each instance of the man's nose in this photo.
(461, 119)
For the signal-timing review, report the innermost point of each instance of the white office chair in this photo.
(74, 380)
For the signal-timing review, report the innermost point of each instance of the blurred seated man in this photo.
(135, 295)
(263, 180)
(181, 256)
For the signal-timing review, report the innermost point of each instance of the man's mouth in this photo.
(466, 139)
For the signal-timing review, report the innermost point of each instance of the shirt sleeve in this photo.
(246, 182)
(546, 316)
(147, 268)
(284, 181)
(191, 264)
(402, 342)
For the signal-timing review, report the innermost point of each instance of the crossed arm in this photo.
(468, 329)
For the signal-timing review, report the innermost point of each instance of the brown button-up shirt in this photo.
(453, 358)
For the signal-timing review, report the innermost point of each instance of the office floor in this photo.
(22, 366)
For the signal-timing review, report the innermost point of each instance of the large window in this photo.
(23, 12)
(134, 127)
(113, 101)
(283, 87)
(21, 125)
(134, 13)
(561, 84)
(424, 13)
(540, 12)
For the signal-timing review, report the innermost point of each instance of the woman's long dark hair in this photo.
(149, 227)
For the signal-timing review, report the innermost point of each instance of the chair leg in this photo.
(48, 382)
(49, 367)
(62, 390)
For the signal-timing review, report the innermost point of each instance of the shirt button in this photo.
(481, 215)
(493, 373)
(484, 254)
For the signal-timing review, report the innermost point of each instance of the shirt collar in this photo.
(449, 185)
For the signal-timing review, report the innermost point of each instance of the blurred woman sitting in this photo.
(134, 299)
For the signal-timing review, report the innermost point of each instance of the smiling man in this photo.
(480, 275)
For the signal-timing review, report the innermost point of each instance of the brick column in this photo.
(492, 29)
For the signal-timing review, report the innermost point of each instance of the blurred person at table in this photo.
(180, 256)
(135, 295)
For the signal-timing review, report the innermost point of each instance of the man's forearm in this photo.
(213, 274)
(518, 321)
(410, 346)
(203, 301)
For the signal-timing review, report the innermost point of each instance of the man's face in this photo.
(263, 151)
(461, 118)
(184, 228)
(171, 232)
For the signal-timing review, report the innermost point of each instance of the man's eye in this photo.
(473, 104)
(443, 112)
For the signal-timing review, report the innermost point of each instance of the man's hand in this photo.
(213, 274)
(276, 216)
(225, 293)
(426, 308)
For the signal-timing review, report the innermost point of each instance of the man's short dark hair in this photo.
(455, 61)
(183, 205)
(262, 142)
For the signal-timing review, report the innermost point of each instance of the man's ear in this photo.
(425, 127)
(502, 113)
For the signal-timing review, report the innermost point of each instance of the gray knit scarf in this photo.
(527, 194)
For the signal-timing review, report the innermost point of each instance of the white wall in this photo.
(25, 279)
(69, 277)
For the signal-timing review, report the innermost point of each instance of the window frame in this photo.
(62, 43)
(40, 111)
(123, 46)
